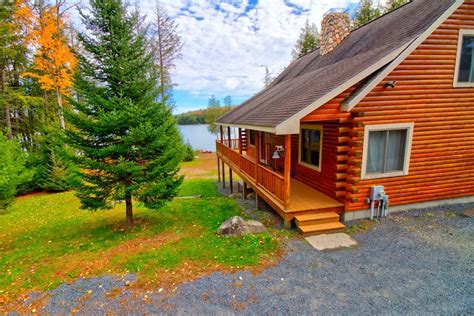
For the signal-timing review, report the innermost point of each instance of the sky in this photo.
(228, 43)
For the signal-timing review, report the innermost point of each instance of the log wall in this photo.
(442, 157)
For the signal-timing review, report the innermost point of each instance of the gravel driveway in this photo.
(418, 262)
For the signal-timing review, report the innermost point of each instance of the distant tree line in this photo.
(206, 116)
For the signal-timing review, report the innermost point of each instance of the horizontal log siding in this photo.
(442, 158)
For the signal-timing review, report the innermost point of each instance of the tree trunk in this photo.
(128, 207)
(8, 120)
(60, 104)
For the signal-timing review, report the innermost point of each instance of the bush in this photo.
(54, 170)
(13, 172)
(188, 152)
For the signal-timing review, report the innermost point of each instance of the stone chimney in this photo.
(334, 28)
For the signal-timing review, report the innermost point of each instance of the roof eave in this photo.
(268, 129)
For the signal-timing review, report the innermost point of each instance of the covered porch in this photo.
(288, 196)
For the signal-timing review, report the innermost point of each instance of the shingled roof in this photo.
(309, 79)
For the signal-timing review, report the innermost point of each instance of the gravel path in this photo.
(418, 262)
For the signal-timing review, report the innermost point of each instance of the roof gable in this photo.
(312, 80)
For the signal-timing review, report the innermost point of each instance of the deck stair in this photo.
(319, 223)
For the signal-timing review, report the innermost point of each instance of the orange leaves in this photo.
(54, 62)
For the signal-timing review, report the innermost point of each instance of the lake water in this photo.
(198, 136)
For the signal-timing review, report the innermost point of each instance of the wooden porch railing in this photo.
(265, 178)
(271, 181)
(232, 143)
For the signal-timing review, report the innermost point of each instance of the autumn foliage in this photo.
(54, 61)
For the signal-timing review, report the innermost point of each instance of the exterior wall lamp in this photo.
(390, 84)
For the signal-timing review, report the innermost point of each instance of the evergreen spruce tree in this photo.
(54, 172)
(308, 41)
(366, 12)
(128, 144)
(394, 4)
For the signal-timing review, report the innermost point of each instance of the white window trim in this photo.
(300, 145)
(387, 127)
(457, 84)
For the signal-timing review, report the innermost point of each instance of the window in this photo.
(311, 141)
(464, 73)
(252, 137)
(386, 150)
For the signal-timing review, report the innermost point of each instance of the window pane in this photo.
(466, 66)
(310, 146)
(375, 157)
(305, 149)
(396, 150)
(315, 147)
(252, 137)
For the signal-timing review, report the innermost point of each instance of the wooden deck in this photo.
(304, 198)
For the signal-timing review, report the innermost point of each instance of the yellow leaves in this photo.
(54, 62)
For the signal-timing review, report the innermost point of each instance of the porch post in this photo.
(231, 183)
(257, 154)
(222, 134)
(218, 169)
(287, 170)
(223, 174)
(240, 141)
(229, 137)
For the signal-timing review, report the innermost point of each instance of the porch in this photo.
(290, 198)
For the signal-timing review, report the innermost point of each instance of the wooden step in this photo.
(326, 228)
(317, 218)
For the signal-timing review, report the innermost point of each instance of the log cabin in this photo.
(376, 120)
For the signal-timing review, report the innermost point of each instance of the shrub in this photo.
(13, 172)
(54, 170)
(188, 152)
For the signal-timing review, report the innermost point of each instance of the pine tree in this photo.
(308, 41)
(394, 4)
(128, 143)
(366, 12)
(54, 172)
(12, 170)
(267, 80)
(14, 19)
(213, 111)
(167, 46)
(228, 101)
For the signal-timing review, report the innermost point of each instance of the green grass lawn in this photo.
(45, 239)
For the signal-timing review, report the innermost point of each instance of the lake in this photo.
(198, 136)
